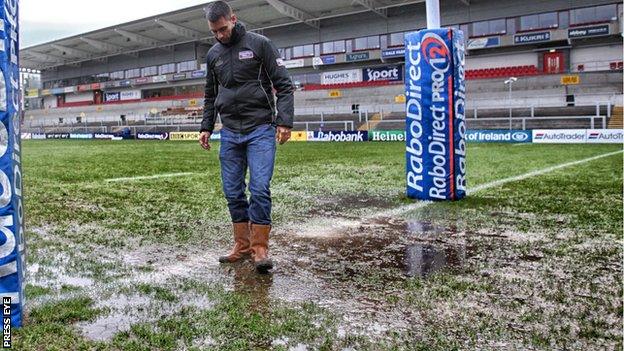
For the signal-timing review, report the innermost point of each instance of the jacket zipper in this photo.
(240, 120)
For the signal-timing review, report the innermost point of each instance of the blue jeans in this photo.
(255, 150)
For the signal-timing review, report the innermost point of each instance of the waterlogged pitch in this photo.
(122, 240)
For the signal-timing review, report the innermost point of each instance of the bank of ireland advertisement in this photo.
(498, 136)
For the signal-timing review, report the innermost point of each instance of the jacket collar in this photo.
(238, 32)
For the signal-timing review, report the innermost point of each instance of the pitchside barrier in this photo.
(561, 136)
(11, 211)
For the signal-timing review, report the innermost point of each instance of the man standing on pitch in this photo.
(243, 68)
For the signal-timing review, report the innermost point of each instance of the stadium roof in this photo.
(188, 25)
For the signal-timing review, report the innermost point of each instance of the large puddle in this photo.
(350, 266)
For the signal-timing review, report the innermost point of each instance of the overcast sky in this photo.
(45, 20)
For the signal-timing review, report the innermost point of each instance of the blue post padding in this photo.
(435, 124)
(11, 210)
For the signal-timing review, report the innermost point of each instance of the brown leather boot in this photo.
(260, 247)
(241, 243)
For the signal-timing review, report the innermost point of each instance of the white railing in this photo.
(347, 125)
(592, 120)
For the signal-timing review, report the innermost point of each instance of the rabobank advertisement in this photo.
(341, 136)
(11, 209)
(435, 119)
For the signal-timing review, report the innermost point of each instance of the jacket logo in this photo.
(245, 55)
(219, 62)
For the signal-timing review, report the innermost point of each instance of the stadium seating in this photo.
(76, 104)
(502, 72)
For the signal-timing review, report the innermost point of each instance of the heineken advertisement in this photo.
(386, 135)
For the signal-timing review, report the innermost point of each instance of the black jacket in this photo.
(239, 81)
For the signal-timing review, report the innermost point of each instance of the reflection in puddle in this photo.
(387, 247)
(421, 260)
(256, 286)
(125, 311)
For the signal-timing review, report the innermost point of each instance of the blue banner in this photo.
(435, 125)
(531, 38)
(358, 56)
(482, 43)
(152, 136)
(178, 76)
(11, 209)
(112, 96)
(328, 60)
(389, 53)
(384, 73)
(499, 136)
(57, 135)
(81, 135)
(588, 31)
(198, 74)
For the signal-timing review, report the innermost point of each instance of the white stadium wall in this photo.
(49, 101)
(79, 97)
(595, 58)
(516, 59)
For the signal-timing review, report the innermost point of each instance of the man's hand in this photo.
(204, 140)
(282, 135)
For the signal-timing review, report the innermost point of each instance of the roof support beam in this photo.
(137, 38)
(372, 5)
(66, 50)
(180, 30)
(45, 58)
(102, 46)
(293, 12)
(133, 54)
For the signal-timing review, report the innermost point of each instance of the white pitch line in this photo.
(411, 207)
(156, 176)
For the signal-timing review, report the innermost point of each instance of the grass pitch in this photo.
(130, 264)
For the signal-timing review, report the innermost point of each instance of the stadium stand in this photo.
(567, 76)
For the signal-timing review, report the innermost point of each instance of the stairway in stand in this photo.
(616, 121)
